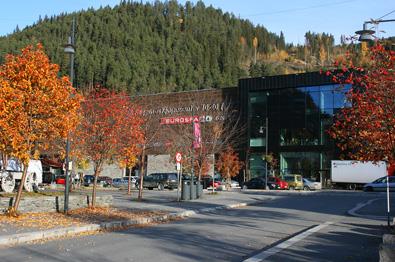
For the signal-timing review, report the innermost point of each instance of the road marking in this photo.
(274, 250)
(353, 211)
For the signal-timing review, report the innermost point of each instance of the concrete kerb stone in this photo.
(387, 248)
(16, 239)
(46, 234)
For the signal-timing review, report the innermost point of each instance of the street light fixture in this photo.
(70, 50)
(366, 34)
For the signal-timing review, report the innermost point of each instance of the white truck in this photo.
(12, 173)
(352, 174)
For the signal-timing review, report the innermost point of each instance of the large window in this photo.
(306, 164)
(257, 119)
(298, 122)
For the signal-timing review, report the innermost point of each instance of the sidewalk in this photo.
(157, 206)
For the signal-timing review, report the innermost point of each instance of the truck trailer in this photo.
(11, 175)
(353, 174)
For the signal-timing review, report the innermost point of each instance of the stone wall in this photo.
(112, 170)
(54, 204)
(162, 164)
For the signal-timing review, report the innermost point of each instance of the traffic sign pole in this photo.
(178, 160)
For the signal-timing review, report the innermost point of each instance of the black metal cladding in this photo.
(284, 81)
(247, 85)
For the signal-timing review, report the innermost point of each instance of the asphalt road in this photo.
(230, 235)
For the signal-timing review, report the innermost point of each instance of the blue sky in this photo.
(293, 17)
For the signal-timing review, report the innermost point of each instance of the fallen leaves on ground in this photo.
(75, 217)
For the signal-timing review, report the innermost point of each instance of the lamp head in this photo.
(365, 35)
(69, 47)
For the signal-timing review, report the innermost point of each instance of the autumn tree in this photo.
(229, 165)
(36, 107)
(150, 129)
(220, 127)
(366, 130)
(110, 130)
(129, 159)
(272, 162)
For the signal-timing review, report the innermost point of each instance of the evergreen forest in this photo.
(145, 48)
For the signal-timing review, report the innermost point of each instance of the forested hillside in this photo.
(160, 47)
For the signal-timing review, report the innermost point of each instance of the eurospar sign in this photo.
(176, 120)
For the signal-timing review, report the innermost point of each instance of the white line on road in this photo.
(353, 211)
(271, 251)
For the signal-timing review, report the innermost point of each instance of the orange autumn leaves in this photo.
(229, 164)
(36, 106)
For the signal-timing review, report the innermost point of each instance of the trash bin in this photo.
(186, 190)
(193, 190)
(199, 189)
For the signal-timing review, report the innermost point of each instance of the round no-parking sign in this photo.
(178, 157)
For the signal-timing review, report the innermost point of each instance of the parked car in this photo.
(207, 181)
(89, 180)
(233, 183)
(160, 181)
(310, 185)
(281, 184)
(294, 181)
(217, 183)
(258, 183)
(380, 184)
(119, 182)
(60, 180)
(133, 180)
(104, 180)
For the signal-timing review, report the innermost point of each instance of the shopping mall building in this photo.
(287, 115)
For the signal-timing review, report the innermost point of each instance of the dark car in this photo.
(258, 183)
(104, 180)
(160, 181)
(88, 180)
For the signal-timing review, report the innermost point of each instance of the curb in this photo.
(23, 238)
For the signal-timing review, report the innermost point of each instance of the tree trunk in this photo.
(94, 188)
(227, 179)
(129, 181)
(14, 209)
(140, 197)
(4, 161)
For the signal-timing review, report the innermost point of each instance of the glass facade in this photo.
(297, 122)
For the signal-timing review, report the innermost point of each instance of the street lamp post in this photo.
(266, 147)
(366, 35)
(70, 50)
(266, 138)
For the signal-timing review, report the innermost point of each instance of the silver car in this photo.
(380, 184)
(310, 185)
(120, 183)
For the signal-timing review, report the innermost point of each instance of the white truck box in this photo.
(351, 172)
